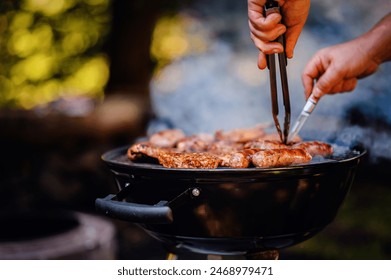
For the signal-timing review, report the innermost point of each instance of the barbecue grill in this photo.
(225, 211)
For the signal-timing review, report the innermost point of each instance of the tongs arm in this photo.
(272, 6)
(285, 95)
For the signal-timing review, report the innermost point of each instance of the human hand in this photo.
(337, 68)
(265, 30)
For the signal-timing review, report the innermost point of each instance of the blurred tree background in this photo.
(69, 48)
(74, 83)
(52, 49)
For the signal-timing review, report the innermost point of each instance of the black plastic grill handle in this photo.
(134, 212)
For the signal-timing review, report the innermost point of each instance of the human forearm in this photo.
(379, 40)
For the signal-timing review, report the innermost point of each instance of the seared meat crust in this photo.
(195, 143)
(266, 144)
(139, 150)
(315, 148)
(241, 159)
(175, 150)
(188, 160)
(241, 135)
(280, 157)
(166, 138)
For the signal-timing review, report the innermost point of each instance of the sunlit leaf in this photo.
(48, 7)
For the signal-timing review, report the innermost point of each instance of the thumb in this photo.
(291, 37)
(326, 82)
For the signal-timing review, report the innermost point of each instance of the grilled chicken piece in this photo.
(280, 157)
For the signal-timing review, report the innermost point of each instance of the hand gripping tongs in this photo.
(270, 7)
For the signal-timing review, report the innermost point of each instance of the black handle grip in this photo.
(271, 6)
(133, 212)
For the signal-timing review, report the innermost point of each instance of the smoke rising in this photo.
(223, 88)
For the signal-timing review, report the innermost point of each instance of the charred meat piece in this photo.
(224, 147)
(239, 148)
(240, 159)
(280, 157)
(166, 138)
(188, 160)
(141, 150)
(276, 137)
(195, 143)
(315, 148)
(225, 150)
(241, 135)
(266, 144)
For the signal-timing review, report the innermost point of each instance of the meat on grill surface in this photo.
(280, 157)
(266, 144)
(166, 138)
(239, 159)
(195, 143)
(175, 150)
(142, 149)
(315, 148)
(241, 135)
(188, 160)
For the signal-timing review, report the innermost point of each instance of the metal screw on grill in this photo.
(195, 192)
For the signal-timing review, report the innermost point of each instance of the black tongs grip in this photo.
(270, 7)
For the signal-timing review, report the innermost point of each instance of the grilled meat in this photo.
(241, 135)
(280, 157)
(266, 144)
(195, 143)
(238, 148)
(142, 149)
(315, 148)
(224, 147)
(188, 160)
(240, 159)
(166, 138)
(276, 137)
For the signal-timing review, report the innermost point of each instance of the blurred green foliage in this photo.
(51, 49)
(176, 36)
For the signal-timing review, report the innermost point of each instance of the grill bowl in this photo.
(230, 211)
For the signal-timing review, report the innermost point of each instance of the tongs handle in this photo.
(270, 7)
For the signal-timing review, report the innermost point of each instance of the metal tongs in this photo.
(270, 7)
